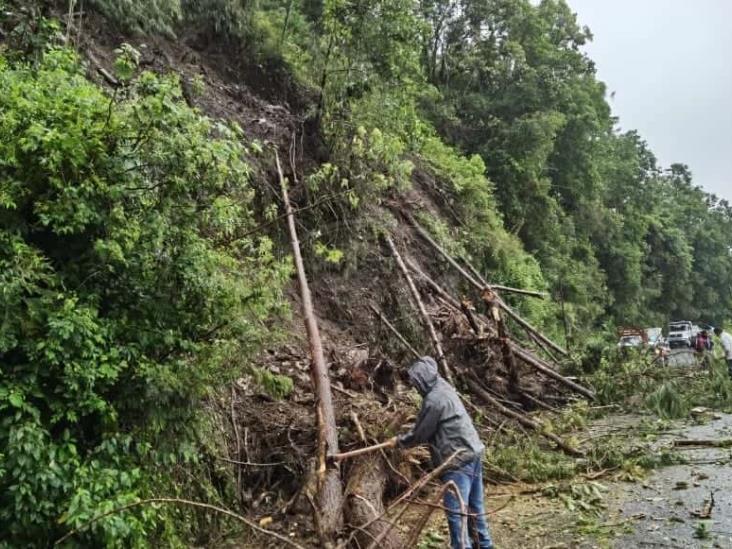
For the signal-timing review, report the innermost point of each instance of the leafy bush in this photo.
(127, 288)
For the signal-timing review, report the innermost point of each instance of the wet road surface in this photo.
(669, 509)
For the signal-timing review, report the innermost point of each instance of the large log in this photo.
(330, 492)
(367, 480)
(520, 418)
(441, 360)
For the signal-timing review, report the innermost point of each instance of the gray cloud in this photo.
(669, 63)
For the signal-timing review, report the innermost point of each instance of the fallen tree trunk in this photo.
(481, 285)
(536, 363)
(367, 481)
(509, 289)
(721, 443)
(441, 360)
(520, 418)
(329, 496)
(529, 328)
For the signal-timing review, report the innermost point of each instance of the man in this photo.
(445, 426)
(726, 340)
(702, 345)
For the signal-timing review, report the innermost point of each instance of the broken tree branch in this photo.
(394, 331)
(721, 443)
(441, 360)
(541, 366)
(330, 491)
(467, 309)
(523, 420)
(361, 451)
(435, 473)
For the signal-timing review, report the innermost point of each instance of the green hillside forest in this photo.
(144, 264)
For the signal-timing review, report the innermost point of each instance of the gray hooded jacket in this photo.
(443, 422)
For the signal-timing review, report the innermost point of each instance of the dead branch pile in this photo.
(475, 347)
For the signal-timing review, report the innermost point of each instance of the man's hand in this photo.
(392, 442)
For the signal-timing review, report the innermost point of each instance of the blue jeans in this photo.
(469, 480)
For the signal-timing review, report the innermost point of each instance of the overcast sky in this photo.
(669, 63)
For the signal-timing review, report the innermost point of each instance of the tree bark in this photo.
(329, 498)
(508, 359)
(365, 502)
(441, 360)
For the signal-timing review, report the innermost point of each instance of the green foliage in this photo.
(144, 16)
(129, 291)
(667, 402)
(524, 458)
(276, 385)
(701, 530)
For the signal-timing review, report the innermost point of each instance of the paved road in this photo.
(682, 358)
(665, 508)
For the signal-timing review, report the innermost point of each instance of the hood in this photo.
(423, 374)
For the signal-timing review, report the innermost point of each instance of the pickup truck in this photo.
(681, 334)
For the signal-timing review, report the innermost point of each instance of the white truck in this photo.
(681, 334)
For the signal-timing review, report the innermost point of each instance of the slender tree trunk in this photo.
(441, 360)
(287, 21)
(329, 498)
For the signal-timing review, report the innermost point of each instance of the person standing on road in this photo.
(446, 427)
(702, 345)
(726, 340)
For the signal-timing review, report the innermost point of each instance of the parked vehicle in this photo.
(654, 336)
(630, 341)
(681, 334)
(631, 338)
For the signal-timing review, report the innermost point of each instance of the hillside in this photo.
(153, 345)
